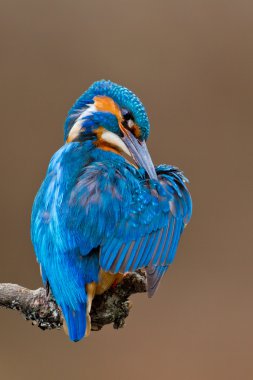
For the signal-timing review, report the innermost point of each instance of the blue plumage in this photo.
(96, 211)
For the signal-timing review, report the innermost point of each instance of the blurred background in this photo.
(191, 62)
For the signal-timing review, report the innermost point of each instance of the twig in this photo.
(111, 307)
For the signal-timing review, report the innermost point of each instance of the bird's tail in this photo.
(76, 321)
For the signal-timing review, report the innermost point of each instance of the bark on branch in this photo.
(111, 307)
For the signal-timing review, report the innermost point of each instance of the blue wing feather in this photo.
(167, 208)
(129, 255)
(145, 252)
(154, 276)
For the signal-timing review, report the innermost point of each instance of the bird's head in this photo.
(114, 119)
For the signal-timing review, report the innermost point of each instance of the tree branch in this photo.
(111, 307)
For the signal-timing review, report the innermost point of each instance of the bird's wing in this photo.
(137, 223)
(149, 234)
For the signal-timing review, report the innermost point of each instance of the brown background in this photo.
(191, 62)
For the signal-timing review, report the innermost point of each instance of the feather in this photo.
(150, 234)
(76, 321)
(154, 276)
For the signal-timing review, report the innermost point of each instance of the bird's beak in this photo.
(139, 152)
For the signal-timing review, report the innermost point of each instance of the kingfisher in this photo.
(104, 209)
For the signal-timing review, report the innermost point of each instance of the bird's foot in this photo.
(118, 279)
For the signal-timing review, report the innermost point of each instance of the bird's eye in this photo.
(128, 119)
(127, 115)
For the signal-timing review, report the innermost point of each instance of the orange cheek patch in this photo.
(99, 131)
(105, 104)
(136, 131)
(105, 146)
